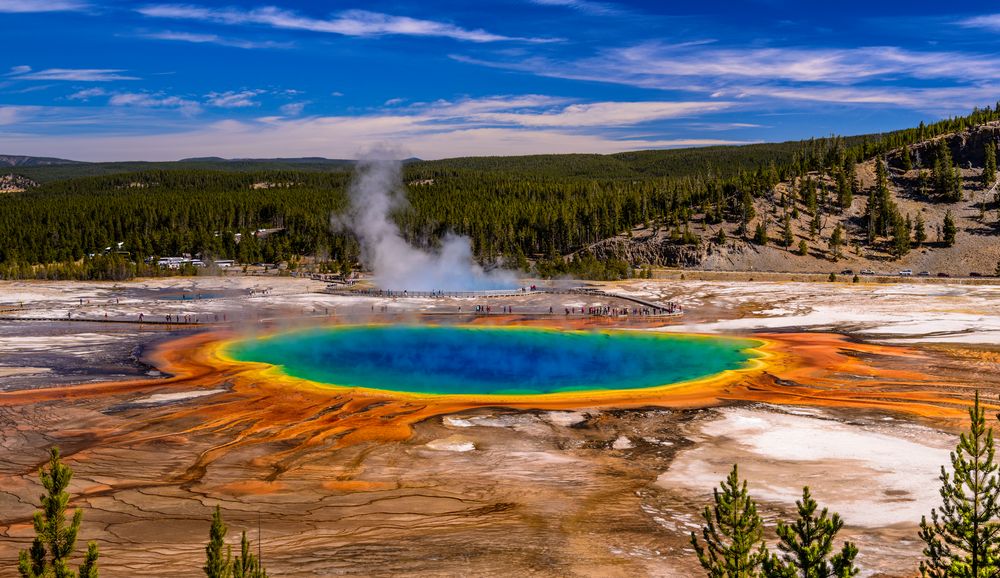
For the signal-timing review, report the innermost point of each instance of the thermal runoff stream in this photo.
(492, 360)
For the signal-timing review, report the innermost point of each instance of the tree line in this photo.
(514, 209)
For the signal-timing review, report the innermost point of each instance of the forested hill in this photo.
(48, 170)
(791, 206)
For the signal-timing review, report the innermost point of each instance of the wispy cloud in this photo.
(878, 75)
(70, 74)
(588, 6)
(195, 38)
(87, 94)
(348, 23)
(293, 108)
(605, 114)
(986, 22)
(25, 6)
(234, 98)
(150, 100)
(10, 114)
(490, 125)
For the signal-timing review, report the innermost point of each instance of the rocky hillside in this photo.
(813, 209)
(15, 184)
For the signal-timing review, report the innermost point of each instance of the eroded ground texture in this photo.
(861, 399)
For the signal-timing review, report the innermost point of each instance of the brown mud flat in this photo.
(364, 483)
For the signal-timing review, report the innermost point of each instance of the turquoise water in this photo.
(492, 361)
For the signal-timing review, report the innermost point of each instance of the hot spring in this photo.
(492, 360)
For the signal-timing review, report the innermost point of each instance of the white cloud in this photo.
(148, 100)
(656, 65)
(335, 137)
(233, 99)
(10, 114)
(87, 94)
(394, 101)
(608, 114)
(24, 6)
(588, 6)
(293, 108)
(430, 130)
(862, 76)
(214, 39)
(986, 22)
(347, 23)
(71, 74)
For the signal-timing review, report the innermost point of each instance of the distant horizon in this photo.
(99, 80)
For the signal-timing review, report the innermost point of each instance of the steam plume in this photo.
(373, 194)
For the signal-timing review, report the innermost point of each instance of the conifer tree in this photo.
(955, 186)
(845, 196)
(836, 241)
(963, 537)
(218, 557)
(246, 565)
(906, 159)
(990, 165)
(943, 172)
(949, 230)
(787, 237)
(733, 533)
(807, 544)
(900, 238)
(760, 233)
(803, 248)
(54, 540)
(919, 230)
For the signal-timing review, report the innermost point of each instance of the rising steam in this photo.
(375, 192)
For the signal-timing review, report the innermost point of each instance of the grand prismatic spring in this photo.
(493, 360)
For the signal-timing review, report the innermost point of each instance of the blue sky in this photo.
(107, 80)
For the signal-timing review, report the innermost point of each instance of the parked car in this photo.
(847, 272)
(943, 275)
(906, 273)
(924, 274)
(867, 272)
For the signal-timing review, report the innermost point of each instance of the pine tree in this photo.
(787, 237)
(760, 233)
(246, 565)
(803, 248)
(990, 165)
(955, 186)
(949, 231)
(900, 238)
(807, 545)
(89, 567)
(963, 537)
(54, 540)
(836, 241)
(218, 558)
(943, 173)
(845, 196)
(906, 159)
(733, 533)
(919, 230)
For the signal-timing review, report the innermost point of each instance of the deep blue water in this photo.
(492, 360)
